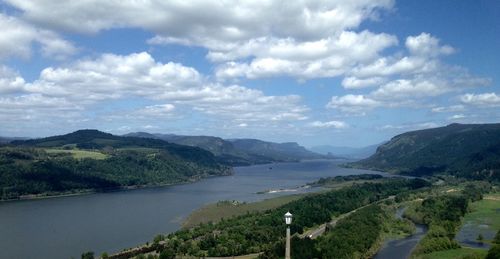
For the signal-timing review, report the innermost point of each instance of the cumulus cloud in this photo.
(281, 38)
(352, 103)
(158, 110)
(115, 77)
(328, 124)
(427, 45)
(18, 37)
(356, 83)
(10, 81)
(404, 89)
(481, 100)
(220, 21)
(328, 57)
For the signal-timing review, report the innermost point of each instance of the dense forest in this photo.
(263, 231)
(443, 215)
(467, 150)
(92, 160)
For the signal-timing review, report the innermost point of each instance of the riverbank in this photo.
(225, 209)
(109, 190)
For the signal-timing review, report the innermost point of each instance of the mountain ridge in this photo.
(466, 150)
(245, 151)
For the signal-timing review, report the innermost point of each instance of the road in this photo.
(318, 231)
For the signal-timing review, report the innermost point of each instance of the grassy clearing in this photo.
(226, 209)
(455, 254)
(486, 211)
(139, 149)
(78, 154)
(339, 185)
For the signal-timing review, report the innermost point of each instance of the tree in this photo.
(88, 255)
(480, 238)
(494, 252)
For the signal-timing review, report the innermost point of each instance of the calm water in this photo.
(67, 226)
(401, 248)
(467, 236)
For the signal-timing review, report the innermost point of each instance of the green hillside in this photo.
(93, 160)
(237, 152)
(466, 150)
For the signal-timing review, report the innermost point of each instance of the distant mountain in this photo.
(467, 150)
(238, 151)
(95, 160)
(289, 151)
(4, 140)
(347, 152)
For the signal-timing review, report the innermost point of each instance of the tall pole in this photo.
(287, 249)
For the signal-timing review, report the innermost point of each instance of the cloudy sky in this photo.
(344, 72)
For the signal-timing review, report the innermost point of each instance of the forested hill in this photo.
(466, 150)
(94, 139)
(93, 160)
(238, 151)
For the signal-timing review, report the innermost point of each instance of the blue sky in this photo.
(345, 73)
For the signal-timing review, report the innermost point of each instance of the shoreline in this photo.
(33, 197)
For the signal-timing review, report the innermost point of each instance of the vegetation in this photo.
(469, 151)
(485, 212)
(457, 253)
(227, 209)
(338, 180)
(77, 154)
(494, 251)
(263, 231)
(237, 152)
(443, 215)
(93, 160)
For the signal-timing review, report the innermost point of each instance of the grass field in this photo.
(455, 253)
(78, 154)
(486, 211)
(226, 209)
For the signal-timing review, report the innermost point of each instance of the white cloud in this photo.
(114, 77)
(427, 45)
(10, 81)
(18, 37)
(352, 103)
(328, 57)
(411, 126)
(453, 108)
(357, 83)
(158, 110)
(481, 100)
(219, 21)
(302, 39)
(405, 89)
(328, 124)
(457, 117)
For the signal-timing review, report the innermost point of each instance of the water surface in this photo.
(401, 248)
(67, 226)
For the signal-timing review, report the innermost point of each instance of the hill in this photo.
(238, 151)
(466, 150)
(4, 140)
(94, 160)
(347, 152)
(289, 151)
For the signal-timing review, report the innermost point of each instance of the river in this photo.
(401, 248)
(65, 227)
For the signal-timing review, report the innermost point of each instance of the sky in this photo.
(334, 72)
